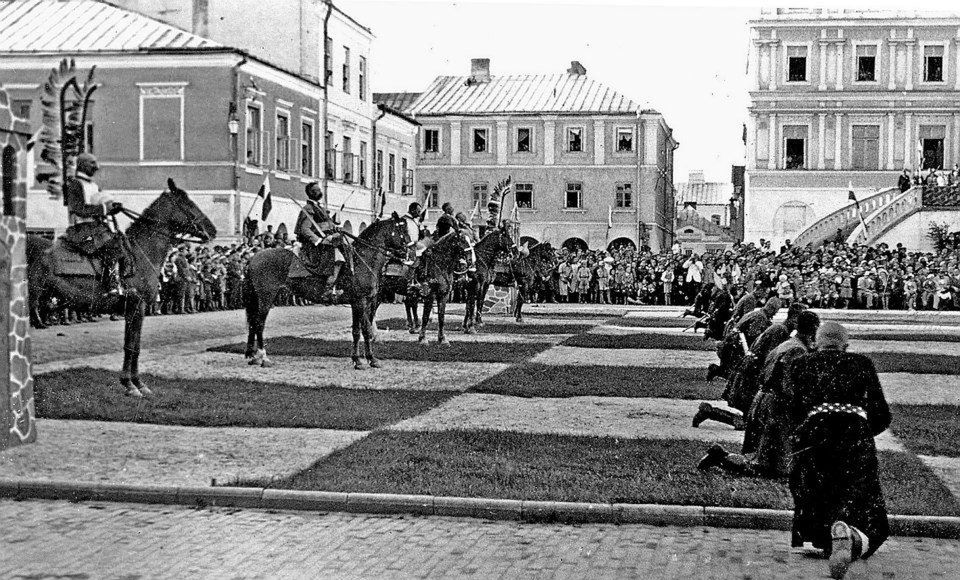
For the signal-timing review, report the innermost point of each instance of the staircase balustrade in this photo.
(844, 219)
(884, 219)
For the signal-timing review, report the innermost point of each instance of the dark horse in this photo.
(495, 245)
(527, 271)
(269, 271)
(403, 284)
(436, 271)
(151, 235)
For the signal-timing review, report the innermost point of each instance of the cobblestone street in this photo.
(64, 540)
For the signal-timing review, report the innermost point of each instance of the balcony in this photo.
(349, 163)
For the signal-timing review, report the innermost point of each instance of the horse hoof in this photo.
(470, 330)
(144, 389)
(422, 341)
(375, 364)
(520, 321)
(134, 392)
(358, 366)
(443, 342)
(412, 330)
(266, 363)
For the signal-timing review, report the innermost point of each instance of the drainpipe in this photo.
(373, 155)
(235, 146)
(636, 202)
(323, 105)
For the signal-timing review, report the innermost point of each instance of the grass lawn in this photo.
(492, 327)
(396, 350)
(95, 395)
(642, 340)
(928, 429)
(907, 336)
(896, 362)
(584, 469)
(669, 322)
(539, 380)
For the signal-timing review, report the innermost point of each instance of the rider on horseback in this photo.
(449, 223)
(320, 238)
(88, 208)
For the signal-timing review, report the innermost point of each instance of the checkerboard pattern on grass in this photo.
(575, 406)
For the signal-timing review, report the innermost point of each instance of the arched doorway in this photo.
(621, 243)
(574, 244)
(363, 226)
(347, 227)
(528, 241)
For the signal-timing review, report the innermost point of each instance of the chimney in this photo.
(201, 14)
(696, 177)
(479, 70)
(576, 68)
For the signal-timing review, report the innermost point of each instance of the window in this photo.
(795, 137)
(523, 140)
(480, 141)
(624, 139)
(283, 142)
(865, 149)
(933, 64)
(348, 160)
(715, 218)
(866, 63)
(346, 70)
(306, 148)
(431, 140)
(21, 108)
(328, 60)
(624, 197)
(404, 186)
(392, 174)
(378, 178)
(932, 139)
(797, 64)
(431, 195)
(524, 195)
(253, 135)
(161, 122)
(481, 195)
(9, 171)
(575, 139)
(574, 197)
(363, 78)
(363, 163)
(329, 156)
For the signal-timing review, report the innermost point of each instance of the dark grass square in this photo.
(666, 322)
(539, 380)
(492, 327)
(456, 351)
(928, 429)
(641, 340)
(907, 336)
(95, 395)
(508, 465)
(905, 362)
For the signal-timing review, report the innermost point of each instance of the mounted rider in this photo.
(449, 223)
(88, 208)
(320, 239)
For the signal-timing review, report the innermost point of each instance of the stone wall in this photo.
(17, 416)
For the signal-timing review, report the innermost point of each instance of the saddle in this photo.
(67, 261)
(397, 270)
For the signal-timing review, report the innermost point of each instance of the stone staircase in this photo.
(886, 217)
(845, 219)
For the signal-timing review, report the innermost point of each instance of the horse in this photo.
(436, 270)
(488, 250)
(527, 270)
(403, 284)
(171, 217)
(269, 271)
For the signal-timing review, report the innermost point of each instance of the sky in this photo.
(685, 60)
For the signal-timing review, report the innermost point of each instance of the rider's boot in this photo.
(331, 292)
(112, 277)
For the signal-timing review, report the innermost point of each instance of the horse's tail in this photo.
(250, 302)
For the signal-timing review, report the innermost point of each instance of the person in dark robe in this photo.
(719, 312)
(839, 407)
(770, 418)
(747, 332)
(729, 345)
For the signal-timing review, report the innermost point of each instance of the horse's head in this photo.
(544, 259)
(399, 236)
(181, 216)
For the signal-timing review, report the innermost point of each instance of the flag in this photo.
(383, 202)
(34, 140)
(609, 221)
(853, 197)
(476, 208)
(264, 192)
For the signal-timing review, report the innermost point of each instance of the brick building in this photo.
(579, 154)
(844, 97)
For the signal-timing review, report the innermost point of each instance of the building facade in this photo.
(589, 167)
(219, 119)
(844, 99)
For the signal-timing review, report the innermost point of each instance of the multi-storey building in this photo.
(589, 167)
(844, 98)
(217, 116)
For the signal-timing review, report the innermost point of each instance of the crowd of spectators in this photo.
(835, 275)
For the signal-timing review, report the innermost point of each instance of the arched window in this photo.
(363, 226)
(574, 244)
(9, 166)
(347, 227)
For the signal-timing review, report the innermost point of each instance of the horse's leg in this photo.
(482, 289)
(518, 311)
(373, 304)
(139, 312)
(131, 339)
(358, 320)
(368, 333)
(425, 320)
(441, 313)
(411, 312)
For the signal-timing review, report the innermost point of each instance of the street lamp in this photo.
(233, 122)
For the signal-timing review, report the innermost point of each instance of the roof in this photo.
(86, 26)
(395, 101)
(704, 193)
(558, 93)
(398, 114)
(689, 217)
(769, 15)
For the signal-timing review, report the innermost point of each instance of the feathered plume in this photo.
(496, 199)
(65, 106)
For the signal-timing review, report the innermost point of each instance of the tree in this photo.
(943, 238)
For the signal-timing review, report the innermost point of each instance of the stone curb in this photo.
(482, 508)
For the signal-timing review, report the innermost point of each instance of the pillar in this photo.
(892, 81)
(908, 146)
(891, 135)
(751, 155)
(837, 140)
(821, 140)
(823, 61)
(772, 140)
(773, 66)
(840, 66)
(909, 83)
